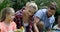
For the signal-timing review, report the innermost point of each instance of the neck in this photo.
(7, 21)
(25, 19)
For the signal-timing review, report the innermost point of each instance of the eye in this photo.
(29, 10)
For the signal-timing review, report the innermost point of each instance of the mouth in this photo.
(49, 15)
(26, 14)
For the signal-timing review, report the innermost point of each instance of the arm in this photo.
(48, 28)
(0, 30)
(36, 20)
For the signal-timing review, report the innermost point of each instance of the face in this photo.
(58, 21)
(10, 16)
(50, 12)
(29, 11)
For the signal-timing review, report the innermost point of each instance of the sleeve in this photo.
(39, 14)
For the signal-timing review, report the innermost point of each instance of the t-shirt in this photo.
(42, 15)
(19, 22)
(5, 28)
(56, 27)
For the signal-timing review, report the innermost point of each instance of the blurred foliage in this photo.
(5, 3)
(18, 4)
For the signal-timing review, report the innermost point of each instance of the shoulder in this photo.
(40, 13)
(18, 12)
(42, 10)
(2, 24)
(13, 23)
(55, 27)
(52, 17)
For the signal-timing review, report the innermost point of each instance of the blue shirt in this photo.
(42, 15)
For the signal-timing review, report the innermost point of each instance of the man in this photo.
(46, 16)
(23, 17)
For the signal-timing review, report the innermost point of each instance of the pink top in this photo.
(5, 28)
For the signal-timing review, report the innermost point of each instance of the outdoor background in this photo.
(18, 4)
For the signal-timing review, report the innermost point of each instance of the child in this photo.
(58, 25)
(7, 24)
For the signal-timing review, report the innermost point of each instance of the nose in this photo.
(12, 17)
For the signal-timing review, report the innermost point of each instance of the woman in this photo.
(7, 24)
(23, 17)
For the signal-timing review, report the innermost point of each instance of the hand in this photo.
(40, 25)
(0, 30)
(36, 20)
(48, 31)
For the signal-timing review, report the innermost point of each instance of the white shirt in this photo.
(56, 27)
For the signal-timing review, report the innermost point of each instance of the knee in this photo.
(40, 25)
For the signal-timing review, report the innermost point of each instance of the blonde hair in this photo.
(5, 11)
(33, 4)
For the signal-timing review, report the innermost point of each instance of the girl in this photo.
(7, 24)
